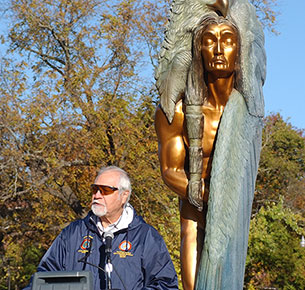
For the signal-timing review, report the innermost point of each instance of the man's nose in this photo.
(98, 194)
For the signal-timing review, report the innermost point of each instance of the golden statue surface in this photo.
(206, 154)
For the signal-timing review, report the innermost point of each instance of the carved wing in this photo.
(235, 163)
(232, 185)
(175, 54)
(253, 56)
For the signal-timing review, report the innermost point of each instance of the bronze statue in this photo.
(208, 126)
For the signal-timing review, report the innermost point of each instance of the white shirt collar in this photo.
(122, 223)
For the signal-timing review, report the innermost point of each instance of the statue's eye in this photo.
(207, 41)
(228, 41)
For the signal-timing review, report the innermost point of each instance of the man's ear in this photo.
(125, 195)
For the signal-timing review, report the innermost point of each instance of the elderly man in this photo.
(139, 255)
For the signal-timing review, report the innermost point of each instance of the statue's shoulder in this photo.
(163, 125)
(178, 115)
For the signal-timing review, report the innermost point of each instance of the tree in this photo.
(282, 165)
(267, 13)
(80, 105)
(275, 257)
(76, 93)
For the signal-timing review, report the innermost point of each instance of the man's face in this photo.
(219, 49)
(109, 206)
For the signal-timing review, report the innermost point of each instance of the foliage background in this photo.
(77, 93)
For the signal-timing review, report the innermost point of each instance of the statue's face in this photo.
(219, 49)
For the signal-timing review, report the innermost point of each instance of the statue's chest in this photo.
(211, 124)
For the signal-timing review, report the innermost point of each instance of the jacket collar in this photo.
(129, 220)
(122, 223)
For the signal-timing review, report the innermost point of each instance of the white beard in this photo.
(99, 209)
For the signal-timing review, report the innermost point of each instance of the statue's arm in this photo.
(172, 150)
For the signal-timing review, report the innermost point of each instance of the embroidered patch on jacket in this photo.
(124, 248)
(85, 245)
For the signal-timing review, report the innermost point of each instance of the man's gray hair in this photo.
(124, 180)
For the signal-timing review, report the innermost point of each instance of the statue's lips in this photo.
(219, 61)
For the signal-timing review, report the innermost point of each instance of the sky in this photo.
(284, 89)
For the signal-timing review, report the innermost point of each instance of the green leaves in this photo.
(282, 164)
(275, 257)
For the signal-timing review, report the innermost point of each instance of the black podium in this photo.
(75, 280)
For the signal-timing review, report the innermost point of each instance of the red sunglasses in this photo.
(104, 189)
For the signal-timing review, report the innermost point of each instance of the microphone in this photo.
(108, 243)
(108, 267)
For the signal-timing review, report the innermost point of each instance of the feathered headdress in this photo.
(176, 52)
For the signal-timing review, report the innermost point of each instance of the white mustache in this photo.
(96, 202)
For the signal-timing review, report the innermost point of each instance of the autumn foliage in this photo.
(77, 93)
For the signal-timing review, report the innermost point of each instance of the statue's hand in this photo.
(195, 193)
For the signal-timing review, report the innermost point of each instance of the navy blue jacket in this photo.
(139, 255)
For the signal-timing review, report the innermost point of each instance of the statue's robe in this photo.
(232, 184)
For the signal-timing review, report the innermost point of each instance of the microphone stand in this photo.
(108, 270)
(108, 265)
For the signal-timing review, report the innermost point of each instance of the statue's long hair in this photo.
(196, 94)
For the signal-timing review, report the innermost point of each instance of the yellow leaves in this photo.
(12, 249)
(267, 12)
